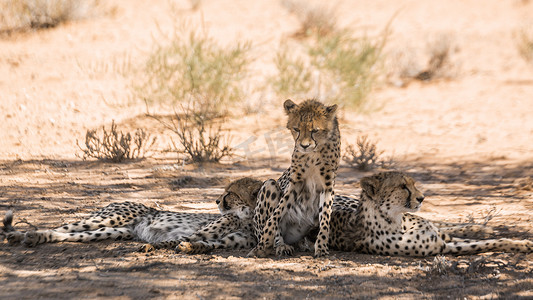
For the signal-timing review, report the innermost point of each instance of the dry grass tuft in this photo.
(525, 43)
(438, 63)
(116, 146)
(195, 4)
(315, 19)
(26, 15)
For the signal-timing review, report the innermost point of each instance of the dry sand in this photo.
(468, 142)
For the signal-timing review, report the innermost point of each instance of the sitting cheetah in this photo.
(379, 223)
(129, 220)
(301, 200)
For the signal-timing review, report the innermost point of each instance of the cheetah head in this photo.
(311, 123)
(393, 193)
(239, 197)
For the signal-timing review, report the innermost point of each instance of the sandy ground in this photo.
(467, 141)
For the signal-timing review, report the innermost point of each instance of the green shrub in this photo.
(346, 69)
(294, 77)
(193, 68)
(347, 65)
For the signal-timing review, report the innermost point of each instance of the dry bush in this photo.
(200, 137)
(315, 19)
(116, 146)
(438, 63)
(525, 43)
(195, 4)
(193, 68)
(24, 15)
(364, 156)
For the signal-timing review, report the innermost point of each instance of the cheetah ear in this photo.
(370, 186)
(255, 192)
(289, 106)
(331, 110)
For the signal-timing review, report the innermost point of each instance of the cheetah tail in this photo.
(464, 247)
(8, 224)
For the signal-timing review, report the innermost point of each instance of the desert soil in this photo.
(467, 140)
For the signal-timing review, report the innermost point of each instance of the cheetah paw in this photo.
(321, 252)
(258, 252)
(185, 247)
(147, 248)
(284, 250)
(31, 238)
(15, 238)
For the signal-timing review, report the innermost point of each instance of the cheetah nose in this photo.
(305, 146)
(420, 199)
(218, 201)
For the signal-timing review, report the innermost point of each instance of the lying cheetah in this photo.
(233, 230)
(301, 200)
(379, 223)
(127, 220)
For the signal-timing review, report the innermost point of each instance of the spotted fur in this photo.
(119, 221)
(233, 230)
(127, 220)
(380, 223)
(301, 199)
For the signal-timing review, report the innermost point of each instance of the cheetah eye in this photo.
(226, 206)
(314, 130)
(225, 203)
(296, 129)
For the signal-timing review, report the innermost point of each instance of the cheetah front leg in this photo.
(322, 240)
(235, 240)
(161, 245)
(221, 233)
(268, 209)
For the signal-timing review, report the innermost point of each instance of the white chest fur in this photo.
(303, 215)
